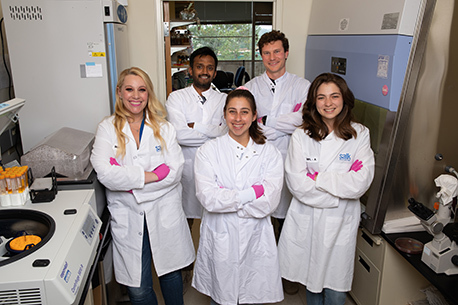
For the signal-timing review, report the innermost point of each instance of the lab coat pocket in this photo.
(263, 240)
(120, 224)
(153, 156)
(218, 246)
(343, 163)
(297, 226)
(286, 107)
(337, 231)
(171, 211)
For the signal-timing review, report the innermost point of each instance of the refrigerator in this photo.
(65, 57)
(397, 58)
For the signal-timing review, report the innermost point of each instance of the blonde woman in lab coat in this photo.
(137, 158)
(329, 166)
(238, 181)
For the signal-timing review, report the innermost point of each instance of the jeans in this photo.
(326, 297)
(171, 283)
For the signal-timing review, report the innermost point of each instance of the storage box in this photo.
(68, 150)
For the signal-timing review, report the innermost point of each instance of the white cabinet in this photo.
(382, 276)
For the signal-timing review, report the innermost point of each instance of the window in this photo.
(232, 30)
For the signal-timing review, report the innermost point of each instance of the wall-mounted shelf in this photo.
(171, 49)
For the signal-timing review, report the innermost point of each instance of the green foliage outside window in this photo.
(229, 41)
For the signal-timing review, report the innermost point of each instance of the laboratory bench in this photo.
(446, 284)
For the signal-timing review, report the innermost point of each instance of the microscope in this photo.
(440, 254)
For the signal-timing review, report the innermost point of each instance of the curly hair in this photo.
(312, 122)
(155, 111)
(271, 37)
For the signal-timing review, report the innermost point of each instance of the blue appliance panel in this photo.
(375, 64)
(111, 62)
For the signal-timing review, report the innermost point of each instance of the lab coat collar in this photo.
(279, 80)
(242, 153)
(205, 93)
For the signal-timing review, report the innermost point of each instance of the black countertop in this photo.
(446, 284)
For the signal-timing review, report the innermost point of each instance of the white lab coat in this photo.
(184, 106)
(237, 259)
(318, 240)
(157, 202)
(290, 90)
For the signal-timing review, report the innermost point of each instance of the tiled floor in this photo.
(193, 297)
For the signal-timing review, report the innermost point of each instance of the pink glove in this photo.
(297, 107)
(312, 176)
(161, 171)
(258, 190)
(356, 166)
(260, 120)
(114, 162)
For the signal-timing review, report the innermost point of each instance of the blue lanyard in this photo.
(141, 129)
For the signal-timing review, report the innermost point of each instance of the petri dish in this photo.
(409, 245)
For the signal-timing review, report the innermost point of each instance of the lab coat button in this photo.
(140, 233)
(141, 213)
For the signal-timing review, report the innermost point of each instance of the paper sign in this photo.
(93, 69)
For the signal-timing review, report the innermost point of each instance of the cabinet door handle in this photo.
(363, 262)
(367, 239)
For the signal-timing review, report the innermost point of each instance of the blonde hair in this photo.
(154, 110)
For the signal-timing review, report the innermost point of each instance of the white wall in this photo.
(147, 43)
(292, 18)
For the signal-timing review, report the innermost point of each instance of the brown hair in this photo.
(154, 109)
(254, 131)
(271, 37)
(313, 124)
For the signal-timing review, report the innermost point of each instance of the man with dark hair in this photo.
(196, 112)
(279, 98)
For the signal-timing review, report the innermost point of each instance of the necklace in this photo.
(136, 129)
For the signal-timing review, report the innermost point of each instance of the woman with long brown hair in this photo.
(238, 182)
(329, 166)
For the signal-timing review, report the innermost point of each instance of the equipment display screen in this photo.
(88, 229)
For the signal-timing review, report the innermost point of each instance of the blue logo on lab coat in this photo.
(344, 157)
(158, 148)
